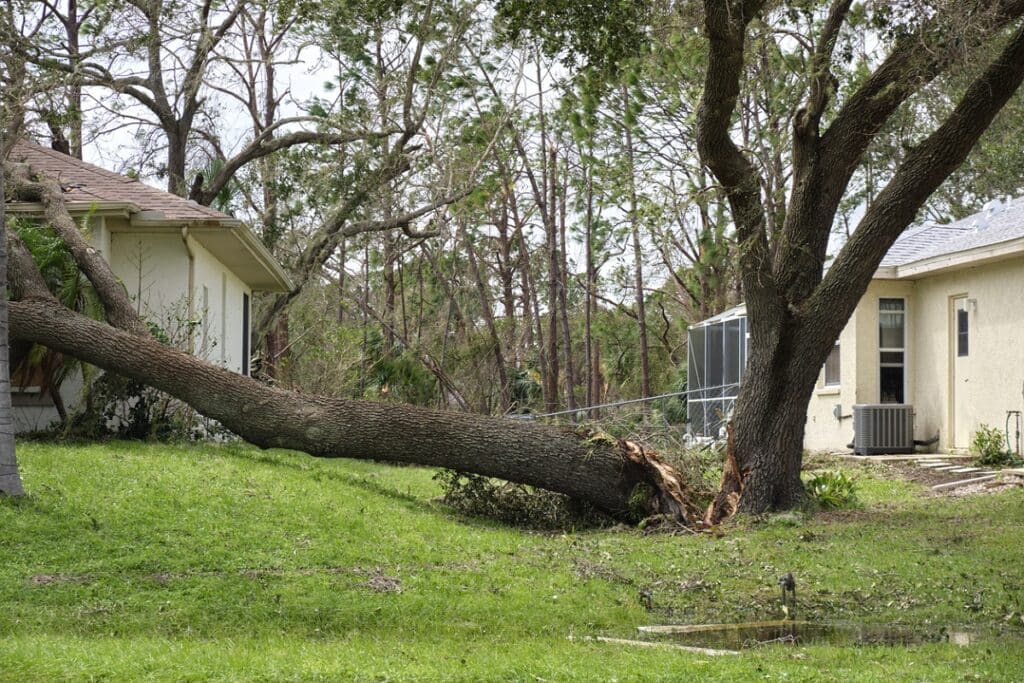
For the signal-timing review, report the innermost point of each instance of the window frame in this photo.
(838, 379)
(963, 332)
(902, 349)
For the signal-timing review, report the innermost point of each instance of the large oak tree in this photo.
(796, 309)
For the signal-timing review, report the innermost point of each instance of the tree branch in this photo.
(403, 220)
(265, 144)
(910, 66)
(26, 282)
(118, 308)
(725, 25)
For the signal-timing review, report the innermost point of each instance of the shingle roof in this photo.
(997, 222)
(84, 182)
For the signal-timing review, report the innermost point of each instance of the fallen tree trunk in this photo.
(618, 477)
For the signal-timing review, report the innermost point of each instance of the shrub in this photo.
(122, 408)
(832, 490)
(989, 446)
(515, 504)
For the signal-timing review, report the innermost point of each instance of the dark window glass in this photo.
(961, 333)
(891, 384)
(892, 358)
(892, 362)
(832, 376)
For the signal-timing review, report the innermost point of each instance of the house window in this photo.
(832, 367)
(892, 350)
(245, 334)
(961, 332)
(27, 379)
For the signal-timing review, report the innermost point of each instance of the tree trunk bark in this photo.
(618, 477)
(590, 300)
(765, 446)
(176, 142)
(73, 26)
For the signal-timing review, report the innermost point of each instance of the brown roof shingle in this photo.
(84, 182)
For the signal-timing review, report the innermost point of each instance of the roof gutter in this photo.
(77, 208)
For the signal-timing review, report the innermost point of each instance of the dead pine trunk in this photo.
(638, 257)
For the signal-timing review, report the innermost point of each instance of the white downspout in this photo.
(190, 299)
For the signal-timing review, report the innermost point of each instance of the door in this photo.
(959, 353)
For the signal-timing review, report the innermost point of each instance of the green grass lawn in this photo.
(139, 562)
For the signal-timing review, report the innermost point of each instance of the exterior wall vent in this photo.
(883, 428)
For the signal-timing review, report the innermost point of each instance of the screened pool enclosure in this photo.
(717, 355)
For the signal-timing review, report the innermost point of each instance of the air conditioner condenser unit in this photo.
(883, 428)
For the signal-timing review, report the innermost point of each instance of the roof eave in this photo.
(266, 259)
(961, 259)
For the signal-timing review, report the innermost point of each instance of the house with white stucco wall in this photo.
(189, 269)
(939, 331)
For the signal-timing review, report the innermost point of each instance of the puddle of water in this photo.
(764, 633)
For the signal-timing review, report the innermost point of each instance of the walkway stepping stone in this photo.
(963, 482)
(958, 470)
(947, 468)
(933, 465)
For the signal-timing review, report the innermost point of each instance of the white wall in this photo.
(221, 321)
(993, 371)
(859, 369)
(154, 268)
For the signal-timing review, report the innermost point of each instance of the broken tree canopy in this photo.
(615, 476)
